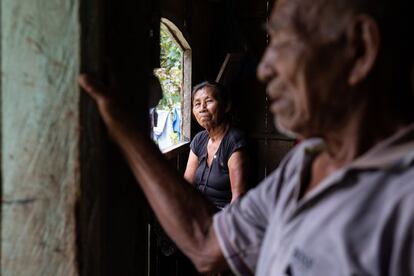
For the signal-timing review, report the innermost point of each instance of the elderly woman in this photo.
(217, 161)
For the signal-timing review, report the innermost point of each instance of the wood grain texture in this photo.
(40, 64)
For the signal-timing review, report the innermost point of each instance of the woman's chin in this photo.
(205, 125)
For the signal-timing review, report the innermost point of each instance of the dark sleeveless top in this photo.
(214, 181)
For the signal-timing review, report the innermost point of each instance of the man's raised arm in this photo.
(184, 213)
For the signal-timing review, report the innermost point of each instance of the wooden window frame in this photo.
(178, 36)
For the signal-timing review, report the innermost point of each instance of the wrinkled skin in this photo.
(206, 109)
(319, 82)
(306, 76)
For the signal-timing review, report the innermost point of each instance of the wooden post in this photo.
(40, 136)
(69, 203)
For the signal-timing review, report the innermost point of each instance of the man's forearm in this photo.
(184, 213)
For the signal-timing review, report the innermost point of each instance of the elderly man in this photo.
(342, 201)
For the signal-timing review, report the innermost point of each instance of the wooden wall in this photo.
(69, 204)
(215, 28)
(120, 48)
(40, 136)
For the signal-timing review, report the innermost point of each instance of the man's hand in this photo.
(113, 111)
(94, 89)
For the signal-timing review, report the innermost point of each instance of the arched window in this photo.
(173, 113)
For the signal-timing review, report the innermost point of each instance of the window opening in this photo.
(171, 117)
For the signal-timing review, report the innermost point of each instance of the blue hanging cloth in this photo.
(177, 122)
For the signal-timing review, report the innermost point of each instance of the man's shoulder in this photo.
(400, 182)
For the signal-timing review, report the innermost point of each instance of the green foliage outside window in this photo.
(170, 74)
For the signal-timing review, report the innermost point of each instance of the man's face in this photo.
(304, 77)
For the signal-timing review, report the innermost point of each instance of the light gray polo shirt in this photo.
(358, 221)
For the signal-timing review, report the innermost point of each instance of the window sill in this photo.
(173, 151)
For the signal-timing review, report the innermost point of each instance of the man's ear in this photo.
(365, 38)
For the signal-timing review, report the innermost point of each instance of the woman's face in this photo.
(206, 108)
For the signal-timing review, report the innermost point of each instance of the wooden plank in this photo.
(252, 9)
(93, 148)
(130, 56)
(174, 10)
(40, 63)
(266, 156)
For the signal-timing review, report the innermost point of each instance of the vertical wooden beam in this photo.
(40, 64)
(1, 136)
(94, 145)
(69, 202)
(127, 30)
(113, 215)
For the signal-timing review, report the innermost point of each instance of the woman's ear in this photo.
(365, 40)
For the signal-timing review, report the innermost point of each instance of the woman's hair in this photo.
(220, 93)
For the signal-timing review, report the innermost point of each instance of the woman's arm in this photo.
(192, 165)
(185, 214)
(237, 165)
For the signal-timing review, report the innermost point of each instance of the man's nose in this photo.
(265, 70)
